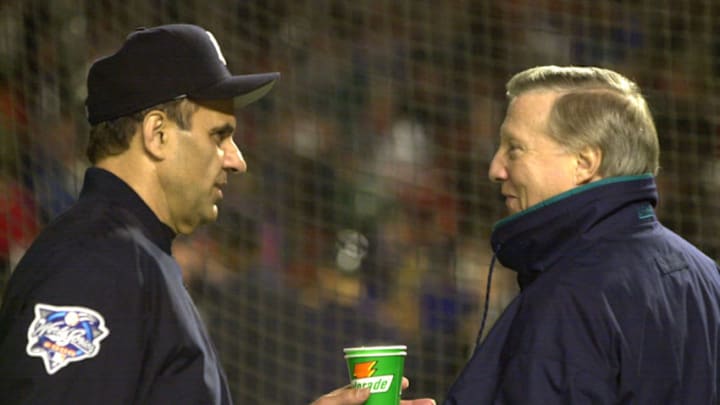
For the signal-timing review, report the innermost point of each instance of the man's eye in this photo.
(513, 150)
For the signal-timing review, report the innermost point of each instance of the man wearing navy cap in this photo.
(96, 311)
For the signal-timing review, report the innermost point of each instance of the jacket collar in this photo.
(104, 185)
(531, 241)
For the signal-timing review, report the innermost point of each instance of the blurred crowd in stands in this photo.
(365, 215)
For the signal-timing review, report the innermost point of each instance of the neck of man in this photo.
(138, 172)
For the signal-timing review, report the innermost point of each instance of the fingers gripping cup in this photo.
(378, 368)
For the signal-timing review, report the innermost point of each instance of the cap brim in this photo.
(244, 89)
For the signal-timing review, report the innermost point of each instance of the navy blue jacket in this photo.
(96, 312)
(614, 307)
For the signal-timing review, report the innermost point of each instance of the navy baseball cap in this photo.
(163, 63)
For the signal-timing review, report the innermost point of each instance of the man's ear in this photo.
(154, 134)
(588, 165)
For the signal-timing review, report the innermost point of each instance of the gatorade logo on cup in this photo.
(363, 378)
(364, 369)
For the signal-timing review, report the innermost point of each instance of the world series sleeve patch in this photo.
(65, 334)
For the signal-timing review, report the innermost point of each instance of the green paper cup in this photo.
(379, 368)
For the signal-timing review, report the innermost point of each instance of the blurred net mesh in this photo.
(365, 212)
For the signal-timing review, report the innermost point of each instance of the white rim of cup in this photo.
(374, 354)
(374, 348)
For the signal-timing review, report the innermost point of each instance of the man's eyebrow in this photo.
(225, 130)
(505, 134)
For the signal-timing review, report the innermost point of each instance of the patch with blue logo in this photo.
(61, 335)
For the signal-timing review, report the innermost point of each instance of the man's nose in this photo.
(497, 172)
(233, 159)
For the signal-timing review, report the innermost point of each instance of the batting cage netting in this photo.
(365, 213)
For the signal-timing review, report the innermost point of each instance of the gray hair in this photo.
(598, 108)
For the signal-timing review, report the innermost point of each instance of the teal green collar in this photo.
(571, 192)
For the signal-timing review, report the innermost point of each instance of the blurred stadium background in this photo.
(365, 213)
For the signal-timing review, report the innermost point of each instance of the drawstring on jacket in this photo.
(487, 300)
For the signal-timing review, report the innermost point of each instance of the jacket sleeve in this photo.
(78, 336)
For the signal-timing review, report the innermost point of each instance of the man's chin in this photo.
(208, 217)
(511, 206)
(212, 215)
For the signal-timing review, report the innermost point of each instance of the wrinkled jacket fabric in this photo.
(614, 307)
